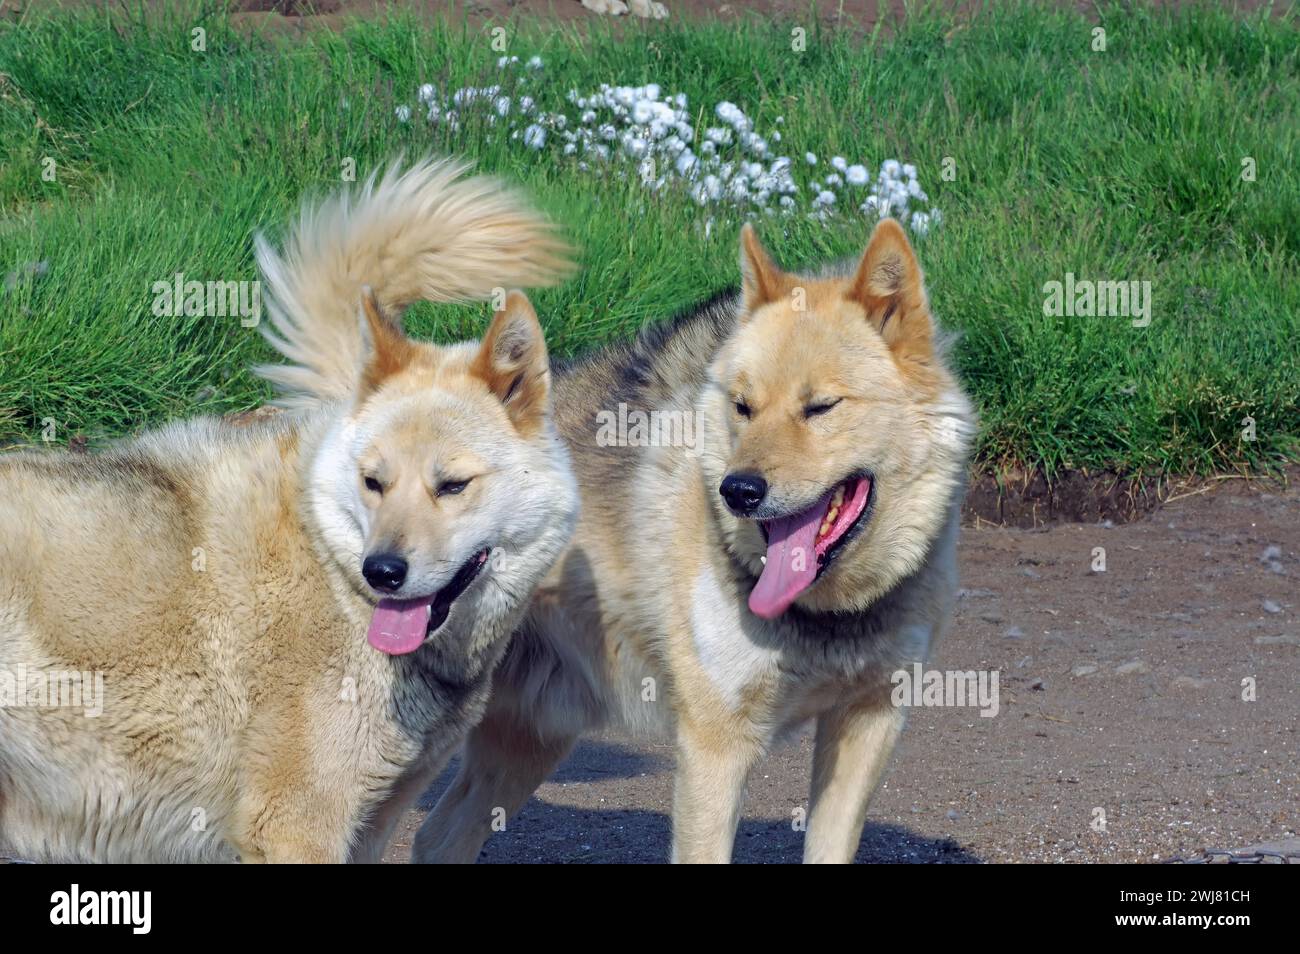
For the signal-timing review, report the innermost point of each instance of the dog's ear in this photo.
(386, 349)
(761, 280)
(888, 284)
(512, 362)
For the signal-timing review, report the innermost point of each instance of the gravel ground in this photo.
(1120, 691)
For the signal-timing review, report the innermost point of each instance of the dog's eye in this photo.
(452, 487)
(742, 409)
(812, 410)
(374, 486)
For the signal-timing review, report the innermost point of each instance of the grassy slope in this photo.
(1116, 165)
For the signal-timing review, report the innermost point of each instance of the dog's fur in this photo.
(644, 621)
(212, 573)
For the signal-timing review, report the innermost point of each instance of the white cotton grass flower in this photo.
(403, 113)
(535, 137)
(642, 135)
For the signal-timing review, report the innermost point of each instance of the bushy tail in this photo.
(426, 233)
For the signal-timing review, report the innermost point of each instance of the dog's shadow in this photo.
(544, 832)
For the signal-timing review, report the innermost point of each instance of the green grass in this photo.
(1116, 165)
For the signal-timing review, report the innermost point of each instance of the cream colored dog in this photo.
(772, 558)
(283, 629)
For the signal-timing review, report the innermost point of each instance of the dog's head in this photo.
(846, 434)
(444, 471)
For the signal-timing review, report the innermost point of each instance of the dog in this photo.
(292, 623)
(777, 572)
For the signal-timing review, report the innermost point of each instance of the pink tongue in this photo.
(791, 561)
(399, 626)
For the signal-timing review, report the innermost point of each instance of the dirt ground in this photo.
(1120, 690)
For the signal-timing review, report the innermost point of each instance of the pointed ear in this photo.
(387, 350)
(761, 280)
(512, 362)
(888, 284)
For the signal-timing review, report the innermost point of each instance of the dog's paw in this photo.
(649, 9)
(613, 8)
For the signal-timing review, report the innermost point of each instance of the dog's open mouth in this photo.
(401, 626)
(802, 545)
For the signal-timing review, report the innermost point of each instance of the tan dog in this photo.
(776, 568)
(290, 624)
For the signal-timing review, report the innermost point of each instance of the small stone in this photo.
(1030, 572)
(1285, 639)
(1271, 607)
(1037, 685)
(1135, 668)
(1014, 632)
(1271, 553)
(1084, 670)
(1189, 682)
(953, 814)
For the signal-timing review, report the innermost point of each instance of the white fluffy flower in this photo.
(535, 136)
(856, 175)
(403, 113)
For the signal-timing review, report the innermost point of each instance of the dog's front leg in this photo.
(293, 825)
(712, 768)
(852, 749)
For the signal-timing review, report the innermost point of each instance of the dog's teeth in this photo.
(428, 611)
(832, 513)
(839, 496)
(763, 559)
(825, 529)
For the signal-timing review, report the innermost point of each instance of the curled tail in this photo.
(425, 233)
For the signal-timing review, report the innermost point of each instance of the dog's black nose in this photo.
(743, 492)
(384, 571)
